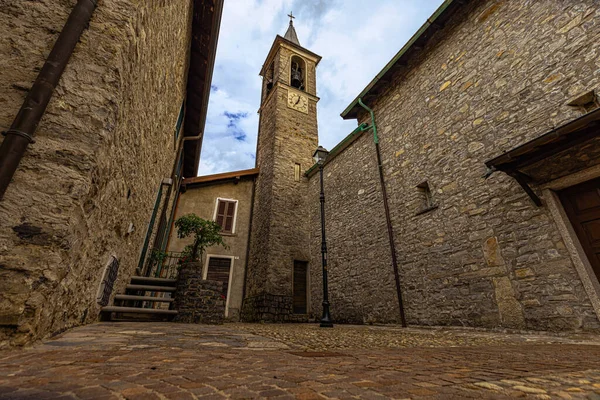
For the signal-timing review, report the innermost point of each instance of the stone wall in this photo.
(498, 75)
(103, 147)
(198, 301)
(280, 227)
(202, 200)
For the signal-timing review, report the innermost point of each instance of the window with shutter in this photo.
(225, 215)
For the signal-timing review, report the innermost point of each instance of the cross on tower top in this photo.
(291, 15)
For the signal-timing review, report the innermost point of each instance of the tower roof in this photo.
(291, 32)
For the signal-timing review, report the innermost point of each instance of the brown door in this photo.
(300, 285)
(582, 204)
(218, 270)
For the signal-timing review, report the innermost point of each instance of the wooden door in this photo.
(218, 270)
(300, 287)
(582, 204)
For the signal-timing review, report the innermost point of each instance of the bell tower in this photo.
(287, 138)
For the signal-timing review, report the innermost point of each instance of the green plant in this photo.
(157, 257)
(204, 232)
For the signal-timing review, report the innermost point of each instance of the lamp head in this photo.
(320, 155)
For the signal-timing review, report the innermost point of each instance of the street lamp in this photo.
(319, 157)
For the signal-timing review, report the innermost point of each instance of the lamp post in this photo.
(320, 156)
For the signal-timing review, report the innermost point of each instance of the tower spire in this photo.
(291, 32)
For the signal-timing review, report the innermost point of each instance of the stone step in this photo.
(136, 310)
(143, 298)
(153, 281)
(151, 288)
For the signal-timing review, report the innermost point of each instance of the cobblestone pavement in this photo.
(179, 361)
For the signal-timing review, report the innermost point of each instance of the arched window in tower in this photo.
(298, 73)
(270, 78)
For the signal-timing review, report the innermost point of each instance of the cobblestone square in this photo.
(246, 361)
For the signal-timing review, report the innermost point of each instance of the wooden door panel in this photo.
(582, 204)
(300, 287)
(587, 200)
(592, 230)
(218, 270)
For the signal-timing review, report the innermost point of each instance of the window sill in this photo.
(426, 210)
(228, 234)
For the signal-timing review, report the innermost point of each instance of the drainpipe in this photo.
(387, 213)
(23, 127)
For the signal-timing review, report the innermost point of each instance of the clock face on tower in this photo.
(297, 101)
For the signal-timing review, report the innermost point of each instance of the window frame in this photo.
(235, 211)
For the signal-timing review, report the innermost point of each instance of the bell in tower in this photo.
(297, 73)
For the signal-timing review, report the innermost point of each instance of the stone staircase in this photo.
(144, 300)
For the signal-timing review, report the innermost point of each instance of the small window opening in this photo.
(297, 172)
(425, 198)
(297, 72)
(586, 102)
(270, 78)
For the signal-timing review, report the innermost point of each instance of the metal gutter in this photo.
(27, 120)
(431, 21)
(388, 218)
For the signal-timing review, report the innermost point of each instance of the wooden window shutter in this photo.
(225, 215)
(229, 216)
(221, 213)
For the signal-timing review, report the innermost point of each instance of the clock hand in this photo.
(297, 101)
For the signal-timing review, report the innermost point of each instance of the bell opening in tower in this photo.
(298, 69)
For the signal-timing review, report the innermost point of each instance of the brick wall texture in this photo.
(496, 76)
(102, 149)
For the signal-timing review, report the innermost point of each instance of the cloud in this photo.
(355, 41)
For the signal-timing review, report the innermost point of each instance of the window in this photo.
(225, 214)
(297, 172)
(297, 73)
(270, 79)
(425, 198)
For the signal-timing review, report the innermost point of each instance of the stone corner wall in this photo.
(198, 301)
(266, 307)
(102, 149)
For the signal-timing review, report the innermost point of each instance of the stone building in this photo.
(97, 186)
(484, 135)
(503, 90)
(227, 199)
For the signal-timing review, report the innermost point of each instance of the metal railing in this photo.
(165, 266)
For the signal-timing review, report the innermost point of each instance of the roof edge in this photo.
(221, 176)
(408, 46)
(340, 147)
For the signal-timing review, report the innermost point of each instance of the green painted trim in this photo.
(340, 147)
(402, 51)
(149, 230)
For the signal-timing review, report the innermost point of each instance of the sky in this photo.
(356, 39)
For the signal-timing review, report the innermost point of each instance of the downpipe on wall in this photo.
(387, 213)
(27, 120)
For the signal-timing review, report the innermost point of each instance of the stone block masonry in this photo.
(497, 75)
(198, 301)
(102, 149)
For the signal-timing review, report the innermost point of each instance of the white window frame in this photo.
(205, 274)
(234, 212)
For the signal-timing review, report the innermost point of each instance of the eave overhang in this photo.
(234, 176)
(206, 22)
(281, 40)
(563, 138)
(416, 43)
